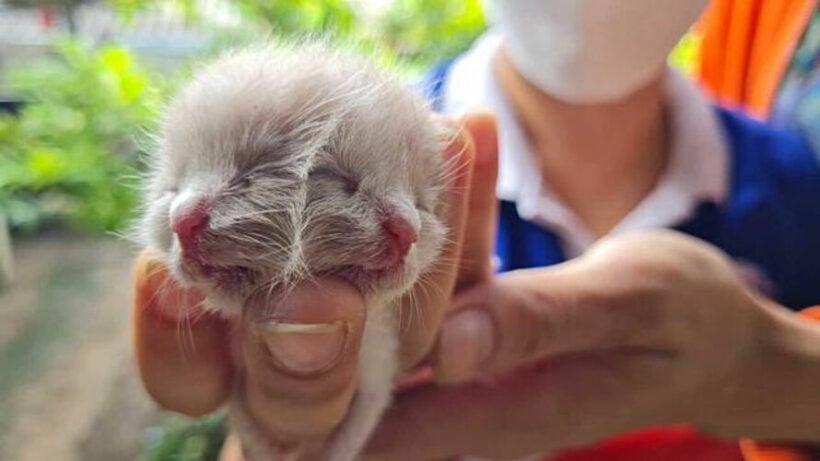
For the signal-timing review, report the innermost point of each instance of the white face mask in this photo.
(587, 51)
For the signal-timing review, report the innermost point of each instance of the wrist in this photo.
(784, 383)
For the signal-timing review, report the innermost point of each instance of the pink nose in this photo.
(401, 235)
(188, 224)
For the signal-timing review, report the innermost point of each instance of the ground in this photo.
(68, 388)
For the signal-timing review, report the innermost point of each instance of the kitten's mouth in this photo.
(226, 278)
(238, 280)
(367, 279)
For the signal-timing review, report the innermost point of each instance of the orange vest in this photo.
(746, 47)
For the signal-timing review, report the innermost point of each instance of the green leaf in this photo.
(46, 166)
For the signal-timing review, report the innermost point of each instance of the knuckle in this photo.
(630, 315)
(662, 283)
(637, 301)
(654, 270)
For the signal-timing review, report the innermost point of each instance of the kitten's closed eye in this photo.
(243, 182)
(247, 179)
(348, 182)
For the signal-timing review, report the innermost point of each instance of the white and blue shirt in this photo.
(748, 188)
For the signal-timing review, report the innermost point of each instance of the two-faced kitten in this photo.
(278, 164)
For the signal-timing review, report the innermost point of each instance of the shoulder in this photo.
(772, 215)
(762, 153)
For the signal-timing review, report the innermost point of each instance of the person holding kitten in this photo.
(598, 137)
(609, 326)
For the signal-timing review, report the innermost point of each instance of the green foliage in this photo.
(335, 18)
(426, 31)
(70, 150)
(181, 439)
(410, 32)
(127, 9)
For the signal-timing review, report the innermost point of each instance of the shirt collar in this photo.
(698, 160)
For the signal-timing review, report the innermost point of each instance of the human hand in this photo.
(299, 385)
(645, 330)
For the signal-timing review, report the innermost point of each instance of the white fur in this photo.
(300, 150)
(379, 366)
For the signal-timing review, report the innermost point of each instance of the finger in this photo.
(535, 411)
(422, 311)
(529, 315)
(301, 368)
(482, 205)
(181, 351)
(411, 429)
(437, 423)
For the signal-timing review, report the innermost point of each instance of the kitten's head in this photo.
(277, 165)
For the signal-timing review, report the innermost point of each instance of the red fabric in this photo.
(660, 444)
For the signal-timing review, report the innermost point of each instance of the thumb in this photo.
(300, 361)
(534, 314)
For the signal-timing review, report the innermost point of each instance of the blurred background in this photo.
(81, 84)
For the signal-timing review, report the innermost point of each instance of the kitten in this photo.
(281, 163)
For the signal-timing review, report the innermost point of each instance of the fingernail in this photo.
(465, 344)
(304, 348)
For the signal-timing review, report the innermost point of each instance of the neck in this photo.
(609, 154)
